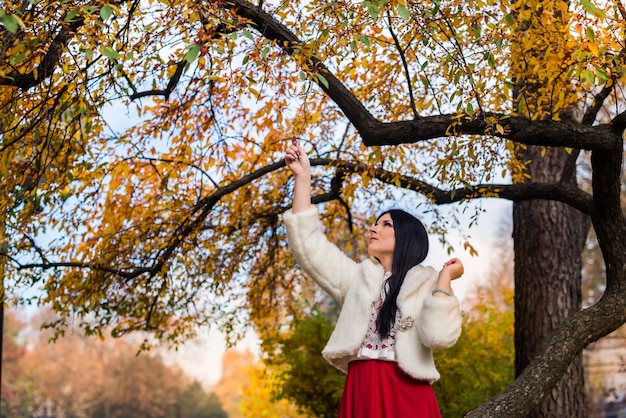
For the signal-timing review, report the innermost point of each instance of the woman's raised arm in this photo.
(298, 162)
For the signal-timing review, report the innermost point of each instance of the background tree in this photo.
(16, 394)
(234, 381)
(306, 378)
(79, 376)
(259, 399)
(194, 402)
(157, 228)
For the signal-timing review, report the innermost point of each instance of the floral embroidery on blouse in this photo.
(373, 346)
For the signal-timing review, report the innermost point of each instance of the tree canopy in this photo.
(167, 225)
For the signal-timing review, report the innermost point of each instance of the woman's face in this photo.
(382, 238)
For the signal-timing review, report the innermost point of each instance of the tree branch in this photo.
(125, 272)
(377, 133)
(50, 60)
(517, 129)
(515, 192)
(575, 333)
(171, 85)
(405, 66)
(198, 215)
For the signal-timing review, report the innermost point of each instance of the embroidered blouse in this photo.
(373, 347)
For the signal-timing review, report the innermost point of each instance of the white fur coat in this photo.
(427, 322)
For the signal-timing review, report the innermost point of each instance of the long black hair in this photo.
(410, 250)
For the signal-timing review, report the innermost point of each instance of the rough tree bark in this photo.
(548, 239)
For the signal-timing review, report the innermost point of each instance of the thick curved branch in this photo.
(608, 219)
(515, 192)
(517, 129)
(198, 215)
(375, 132)
(272, 29)
(542, 374)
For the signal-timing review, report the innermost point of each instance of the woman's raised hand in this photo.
(296, 159)
(298, 162)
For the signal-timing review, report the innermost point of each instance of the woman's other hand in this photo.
(453, 268)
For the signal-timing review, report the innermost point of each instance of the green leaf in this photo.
(247, 34)
(602, 75)
(363, 39)
(106, 12)
(322, 80)
(590, 34)
(192, 53)
(10, 22)
(521, 105)
(476, 30)
(589, 7)
(435, 10)
(590, 76)
(510, 20)
(372, 9)
(403, 12)
(16, 60)
(71, 15)
(110, 52)
(491, 60)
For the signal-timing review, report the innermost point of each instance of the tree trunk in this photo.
(548, 239)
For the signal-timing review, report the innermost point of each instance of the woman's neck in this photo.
(386, 264)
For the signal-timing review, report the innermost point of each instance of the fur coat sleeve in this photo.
(331, 269)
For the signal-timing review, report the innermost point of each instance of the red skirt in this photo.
(380, 389)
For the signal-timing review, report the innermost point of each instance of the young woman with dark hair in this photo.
(394, 310)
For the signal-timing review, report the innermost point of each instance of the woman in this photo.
(394, 311)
